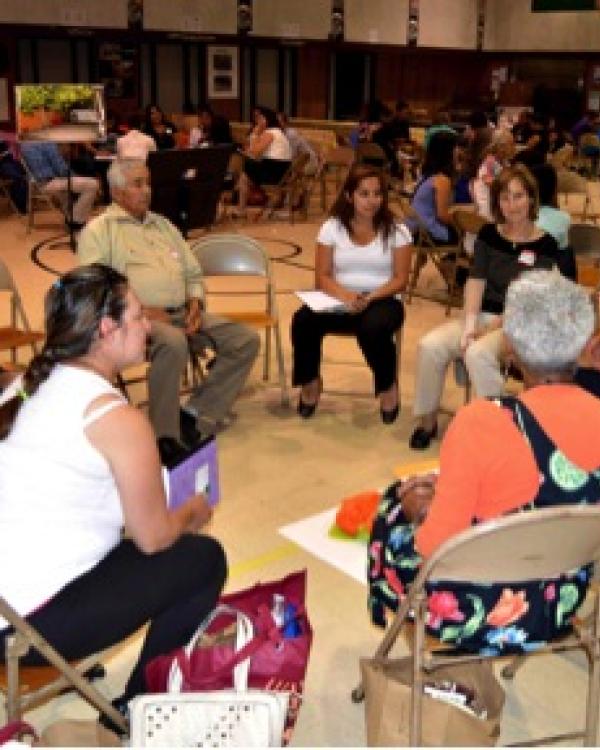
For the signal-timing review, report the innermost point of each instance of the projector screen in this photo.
(62, 112)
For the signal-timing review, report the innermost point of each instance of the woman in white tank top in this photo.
(268, 155)
(77, 464)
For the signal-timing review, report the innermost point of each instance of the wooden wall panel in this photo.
(313, 81)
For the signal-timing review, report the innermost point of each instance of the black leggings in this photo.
(374, 328)
(174, 589)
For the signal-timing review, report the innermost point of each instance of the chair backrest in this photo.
(231, 255)
(341, 156)
(585, 239)
(371, 153)
(570, 182)
(468, 221)
(519, 547)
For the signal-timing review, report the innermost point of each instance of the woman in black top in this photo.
(159, 128)
(502, 251)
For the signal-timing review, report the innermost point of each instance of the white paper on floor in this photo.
(312, 534)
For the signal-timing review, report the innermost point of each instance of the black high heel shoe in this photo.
(307, 410)
(389, 416)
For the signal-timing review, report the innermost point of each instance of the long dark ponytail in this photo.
(73, 308)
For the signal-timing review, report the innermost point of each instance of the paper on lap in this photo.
(319, 301)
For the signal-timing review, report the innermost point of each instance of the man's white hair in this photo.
(118, 171)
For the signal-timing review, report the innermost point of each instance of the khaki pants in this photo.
(236, 347)
(85, 189)
(438, 348)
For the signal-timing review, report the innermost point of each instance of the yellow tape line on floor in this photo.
(278, 553)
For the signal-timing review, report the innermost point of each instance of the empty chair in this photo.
(237, 255)
(18, 333)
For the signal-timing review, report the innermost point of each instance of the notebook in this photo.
(196, 471)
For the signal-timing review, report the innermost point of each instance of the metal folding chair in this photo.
(520, 547)
(229, 255)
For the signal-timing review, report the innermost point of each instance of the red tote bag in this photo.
(277, 662)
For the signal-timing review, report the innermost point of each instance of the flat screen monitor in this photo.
(187, 184)
(61, 112)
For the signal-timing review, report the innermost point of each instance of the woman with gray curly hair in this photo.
(504, 456)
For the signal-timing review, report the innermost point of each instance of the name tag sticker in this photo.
(527, 258)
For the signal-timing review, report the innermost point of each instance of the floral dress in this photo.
(497, 618)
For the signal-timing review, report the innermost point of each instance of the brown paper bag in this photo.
(387, 686)
(70, 733)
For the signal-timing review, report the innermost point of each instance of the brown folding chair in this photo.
(520, 547)
(18, 333)
(292, 190)
(27, 687)
(446, 259)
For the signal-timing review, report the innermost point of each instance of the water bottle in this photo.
(278, 610)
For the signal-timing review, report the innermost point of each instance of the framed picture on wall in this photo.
(222, 69)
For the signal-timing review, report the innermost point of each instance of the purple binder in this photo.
(197, 472)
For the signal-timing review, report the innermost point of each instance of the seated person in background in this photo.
(537, 145)
(135, 144)
(441, 124)
(478, 136)
(213, 129)
(502, 251)
(522, 129)
(298, 144)
(11, 169)
(166, 277)
(496, 156)
(363, 259)
(267, 156)
(394, 134)
(432, 197)
(69, 485)
(510, 455)
(159, 128)
(50, 171)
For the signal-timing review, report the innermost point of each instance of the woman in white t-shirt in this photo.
(363, 260)
(268, 155)
(77, 464)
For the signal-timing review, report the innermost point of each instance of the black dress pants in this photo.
(175, 589)
(374, 329)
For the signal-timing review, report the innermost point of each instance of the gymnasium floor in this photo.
(276, 469)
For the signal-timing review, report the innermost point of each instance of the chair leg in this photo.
(593, 701)
(416, 703)
(15, 649)
(267, 357)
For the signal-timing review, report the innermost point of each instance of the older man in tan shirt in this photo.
(165, 275)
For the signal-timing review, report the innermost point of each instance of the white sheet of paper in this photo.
(321, 301)
(312, 534)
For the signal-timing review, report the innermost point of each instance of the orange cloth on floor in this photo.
(356, 513)
(487, 468)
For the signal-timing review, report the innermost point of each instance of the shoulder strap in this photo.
(96, 414)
